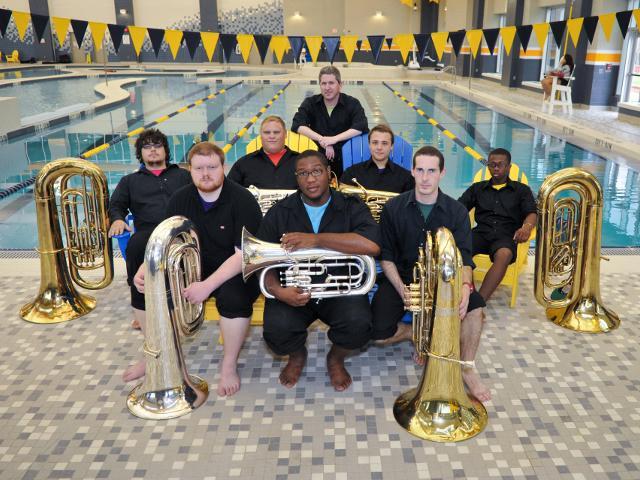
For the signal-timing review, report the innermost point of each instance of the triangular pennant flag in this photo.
(524, 34)
(21, 19)
(439, 42)
(541, 31)
(296, 43)
(623, 21)
(209, 42)
(314, 42)
(280, 45)
(137, 37)
(331, 43)
(606, 22)
(422, 41)
(508, 34)
(97, 33)
(475, 39)
(590, 24)
(115, 32)
(557, 28)
(349, 44)
(389, 42)
(359, 44)
(192, 40)
(39, 24)
(79, 29)
(156, 35)
(405, 43)
(174, 40)
(491, 37)
(245, 41)
(574, 25)
(375, 42)
(262, 44)
(636, 15)
(456, 39)
(229, 42)
(5, 18)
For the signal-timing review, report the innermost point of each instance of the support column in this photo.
(511, 73)
(126, 53)
(46, 50)
(429, 24)
(209, 23)
(477, 22)
(585, 74)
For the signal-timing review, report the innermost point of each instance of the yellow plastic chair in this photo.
(257, 319)
(295, 141)
(483, 263)
(14, 57)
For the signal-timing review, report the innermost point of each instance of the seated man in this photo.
(404, 222)
(379, 172)
(505, 214)
(272, 166)
(145, 193)
(331, 118)
(317, 217)
(219, 209)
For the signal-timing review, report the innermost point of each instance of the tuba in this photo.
(324, 273)
(84, 198)
(439, 409)
(172, 262)
(375, 199)
(267, 198)
(568, 252)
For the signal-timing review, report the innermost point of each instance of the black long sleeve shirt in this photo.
(258, 170)
(393, 178)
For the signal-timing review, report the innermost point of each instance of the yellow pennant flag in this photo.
(137, 37)
(21, 20)
(280, 45)
(439, 40)
(173, 39)
(404, 42)
(475, 40)
(607, 20)
(209, 42)
(97, 33)
(636, 15)
(62, 27)
(408, 3)
(508, 34)
(541, 31)
(574, 25)
(245, 42)
(314, 43)
(348, 44)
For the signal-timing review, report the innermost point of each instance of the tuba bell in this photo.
(374, 199)
(439, 409)
(324, 273)
(172, 262)
(268, 197)
(84, 198)
(568, 252)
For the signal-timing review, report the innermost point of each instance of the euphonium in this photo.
(568, 252)
(172, 262)
(324, 273)
(375, 199)
(267, 198)
(84, 198)
(439, 409)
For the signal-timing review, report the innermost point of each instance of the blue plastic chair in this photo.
(356, 150)
(123, 238)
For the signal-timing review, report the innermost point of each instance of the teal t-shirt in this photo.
(425, 209)
(315, 214)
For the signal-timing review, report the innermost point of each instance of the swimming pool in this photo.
(30, 73)
(219, 119)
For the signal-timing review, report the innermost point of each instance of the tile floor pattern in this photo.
(565, 406)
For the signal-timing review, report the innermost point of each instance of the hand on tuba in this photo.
(118, 227)
(297, 241)
(197, 292)
(138, 279)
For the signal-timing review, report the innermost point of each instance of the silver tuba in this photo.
(172, 262)
(310, 269)
(268, 197)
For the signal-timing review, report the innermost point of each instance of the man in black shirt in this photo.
(317, 217)
(505, 214)
(145, 193)
(404, 222)
(219, 209)
(379, 172)
(270, 167)
(331, 118)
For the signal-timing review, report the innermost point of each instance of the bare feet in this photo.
(134, 372)
(340, 378)
(229, 382)
(475, 385)
(403, 333)
(135, 324)
(293, 369)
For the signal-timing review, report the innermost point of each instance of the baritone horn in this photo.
(81, 216)
(172, 262)
(568, 252)
(374, 199)
(268, 197)
(323, 273)
(439, 409)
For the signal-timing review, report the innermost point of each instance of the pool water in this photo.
(31, 73)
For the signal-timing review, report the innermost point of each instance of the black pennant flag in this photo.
(491, 37)
(116, 32)
(524, 34)
(375, 42)
(156, 35)
(623, 21)
(229, 42)
(557, 28)
(296, 42)
(39, 24)
(359, 44)
(456, 39)
(422, 42)
(5, 17)
(79, 29)
(589, 25)
(389, 42)
(262, 43)
(332, 44)
(191, 40)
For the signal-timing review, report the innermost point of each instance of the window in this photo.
(629, 79)
(551, 55)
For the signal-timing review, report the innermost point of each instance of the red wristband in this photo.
(471, 287)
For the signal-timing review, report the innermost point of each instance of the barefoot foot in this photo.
(404, 333)
(229, 382)
(134, 372)
(135, 324)
(338, 374)
(475, 385)
(293, 369)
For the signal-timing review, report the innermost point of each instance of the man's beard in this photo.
(208, 187)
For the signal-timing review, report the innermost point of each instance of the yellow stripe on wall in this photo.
(607, 57)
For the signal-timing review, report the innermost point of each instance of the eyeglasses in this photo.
(314, 173)
(149, 146)
(496, 165)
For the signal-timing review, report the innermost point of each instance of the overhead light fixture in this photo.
(296, 14)
(379, 14)
(415, 7)
(123, 11)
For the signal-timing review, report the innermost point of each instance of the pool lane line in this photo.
(435, 123)
(164, 118)
(240, 133)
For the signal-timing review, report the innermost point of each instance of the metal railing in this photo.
(451, 70)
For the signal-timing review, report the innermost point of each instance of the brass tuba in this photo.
(84, 198)
(439, 409)
(268, 197)
(324, 273)
(568, 252)
(375, 199)
(172, 262)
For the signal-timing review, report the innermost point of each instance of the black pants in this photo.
(348, 318)
(135, 257)
(489, 243)
(234, 298)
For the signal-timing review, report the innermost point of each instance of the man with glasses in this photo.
(145, 194)
(317, 217)
(505, 215)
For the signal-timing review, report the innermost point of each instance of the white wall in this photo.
(94, 10)
(148, 13)
(19, 5)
